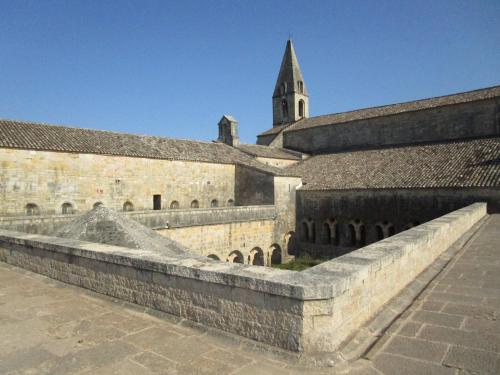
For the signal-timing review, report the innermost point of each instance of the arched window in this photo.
(214, 257)
(214, 203)
(301, 108)
(98, 204)
(128, 206)
(362, 235)
(195, 204)
(300, 85)
(174, 205)
(230, 202)
(391, 231)
(256, 257)
(67, 208)
(235, 257)
(275, 254)
(284, 108)
(31, 209)
(380, 232)
(352, 235)
(283, 88)
(326, 234)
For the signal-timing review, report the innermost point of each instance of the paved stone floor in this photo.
(47, 327)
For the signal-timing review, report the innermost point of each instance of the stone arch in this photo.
(128, 206)
(31, 209)
(256, 257)
(235, 257)
(214, 203)
(230, 202)
(195, 204)
(352, 234)
(290, 243)
(326, 234)
(275, 255)
(385, 229)
(213, 256)
(67, 208)
(174, 205)
(97, 204)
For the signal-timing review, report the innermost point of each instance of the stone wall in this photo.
(50, 179)
(221, 240)
(209, 231)
(280, 163)
(466, 120)
(253, 187)
(329, 223)
(312, 311)
(47, 224)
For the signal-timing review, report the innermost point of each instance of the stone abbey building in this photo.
(323, 185)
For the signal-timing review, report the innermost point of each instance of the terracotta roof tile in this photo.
(35, 136)
(270, 152)
(471, 163)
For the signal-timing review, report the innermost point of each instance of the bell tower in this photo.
(290, 98)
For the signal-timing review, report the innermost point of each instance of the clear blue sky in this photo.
(172, 68)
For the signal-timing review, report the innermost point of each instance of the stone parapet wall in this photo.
(311, 311)
(47, 224)
(205, 216)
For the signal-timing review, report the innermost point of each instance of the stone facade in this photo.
(330, 223)
(458, 121)
(51, 179)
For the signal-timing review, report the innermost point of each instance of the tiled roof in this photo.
(34, 136)
(274, 130)
(386, 110)
(270, 152)
(472, 163)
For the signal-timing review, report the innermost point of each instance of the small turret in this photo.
(228, 131)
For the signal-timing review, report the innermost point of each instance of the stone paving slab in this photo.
(453, 327)
(48, 327)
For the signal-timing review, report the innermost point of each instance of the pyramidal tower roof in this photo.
(290, 72)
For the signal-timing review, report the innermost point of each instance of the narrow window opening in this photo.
(284, 108)
(157, 202)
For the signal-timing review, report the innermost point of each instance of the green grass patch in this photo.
(300, 263)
